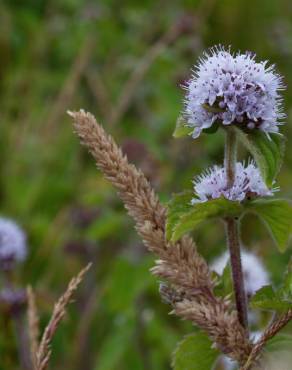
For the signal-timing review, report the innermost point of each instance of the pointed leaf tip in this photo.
(277, 216)
(267, 151)
(183, 216)
(181, 128)
(194, 352)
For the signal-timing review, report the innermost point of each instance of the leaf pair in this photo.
(277, 216)
(183, 216)
(267, 298)
(194, 352)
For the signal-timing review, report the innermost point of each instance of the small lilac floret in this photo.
(248, 182)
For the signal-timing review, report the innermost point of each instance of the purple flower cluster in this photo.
(248, 182)
(233, 89)
(12, 242)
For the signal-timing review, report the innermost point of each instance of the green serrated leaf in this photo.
(183, 216)
(267, 299)
(194, 352)
(277, 216)
(277, 353)
(267, 152)
(181, 129)
(279, 343)
(265, 293)
(179, 205)
(287, 288)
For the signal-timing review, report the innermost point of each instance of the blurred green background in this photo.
(125, 62)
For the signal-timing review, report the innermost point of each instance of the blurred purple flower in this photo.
(12, 300)
(12, 243)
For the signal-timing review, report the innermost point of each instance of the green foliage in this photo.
(224, 286)
(267, 151)
(132, 279)
(181, 129)
(110, 223)
(179, 205)
(211, 130)
(281, 342)
(194, 352)
(115, 345)
(184, 216)
(267, 298)
(287, 285)
(277, 352)
(277, 216)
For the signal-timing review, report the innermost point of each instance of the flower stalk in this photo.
(230, 156)
(232, 233)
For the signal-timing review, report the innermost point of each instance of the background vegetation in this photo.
(124, 62)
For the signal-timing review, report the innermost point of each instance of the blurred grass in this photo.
(67, 54)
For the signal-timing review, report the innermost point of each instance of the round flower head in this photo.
(12, 243)
(247, 183)
(233, 89)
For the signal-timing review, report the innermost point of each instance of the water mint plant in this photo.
(241, 97)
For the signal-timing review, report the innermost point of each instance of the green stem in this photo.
(230, 156)
(232, 232)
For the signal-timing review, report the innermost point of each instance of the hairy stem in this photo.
(232, 232)
(230, 156)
